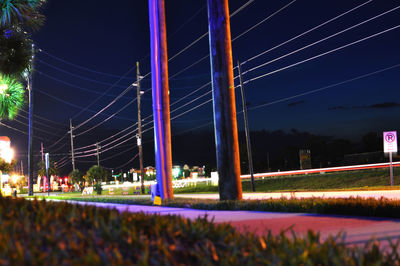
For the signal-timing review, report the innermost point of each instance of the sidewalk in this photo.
(358, 229)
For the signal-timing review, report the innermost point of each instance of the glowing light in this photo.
(14, 178)
(3, 88)
(7, 154)
(175, 172)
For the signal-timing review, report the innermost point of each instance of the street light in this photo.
(7, 154)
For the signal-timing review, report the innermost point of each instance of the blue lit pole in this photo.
(225, 124)
(160, 88)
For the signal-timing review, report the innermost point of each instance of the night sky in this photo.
(90, 48)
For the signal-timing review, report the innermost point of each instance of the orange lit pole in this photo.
(160, 87)
(225, 124)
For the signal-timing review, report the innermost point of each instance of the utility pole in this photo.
(139, 140)
(98, 155)
(72, 143)
(161, 108)
(246, 127)
(41, 150)
(225, 123)
(22, 168)
(30, 130)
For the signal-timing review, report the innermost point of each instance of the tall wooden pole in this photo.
(225, 124)
(30, 129)
(246, 128)
(71, 128)
(160, 87)
(98, 154)
(139, 141)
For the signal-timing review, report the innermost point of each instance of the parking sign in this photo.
(390, 141)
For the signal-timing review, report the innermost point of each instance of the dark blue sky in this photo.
(110, 37)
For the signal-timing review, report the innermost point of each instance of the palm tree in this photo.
(17, 18)
(11, 97)
(15, 51)
(22, 13)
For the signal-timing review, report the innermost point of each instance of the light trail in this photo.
(324, 170)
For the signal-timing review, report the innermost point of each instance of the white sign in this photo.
(390, 141)
(46, 157)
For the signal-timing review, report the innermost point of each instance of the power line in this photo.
(84, 68)
(262, 21)
(206, 34)
(77, 86)
(58, 141)
(108, 118)
(79, 107)
(36, 128)
(325, 87)
(306, 32)
(75, 75)
(323, 39)
(240, 35)
(40, 123)
(122, 166)
(105, 92)
(106, 107)
(322, 54)
(44, 119)
(16, 129)
(110, 157)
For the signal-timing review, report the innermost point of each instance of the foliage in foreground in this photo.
(38, 232)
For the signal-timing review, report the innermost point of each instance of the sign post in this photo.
(390, 146)
(47, 173)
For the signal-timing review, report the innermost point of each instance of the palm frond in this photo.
(11, 97)
(15, 51)
(24, 13)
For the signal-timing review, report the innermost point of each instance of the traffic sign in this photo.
(390, 141)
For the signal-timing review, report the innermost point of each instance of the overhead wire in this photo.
(247, 81)
(325, 87)
(307, 31)
(76, 75)
(323, 39)
(323, 54)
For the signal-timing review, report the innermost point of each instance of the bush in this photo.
(38, 232)
(98, 188)
(96, 174)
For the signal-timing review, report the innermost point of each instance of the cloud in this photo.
(338, 108)
(384, 105)
(295, 103)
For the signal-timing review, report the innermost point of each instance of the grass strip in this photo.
(50, 233)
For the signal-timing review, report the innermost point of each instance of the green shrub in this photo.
(98, 188)
(37, 233)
